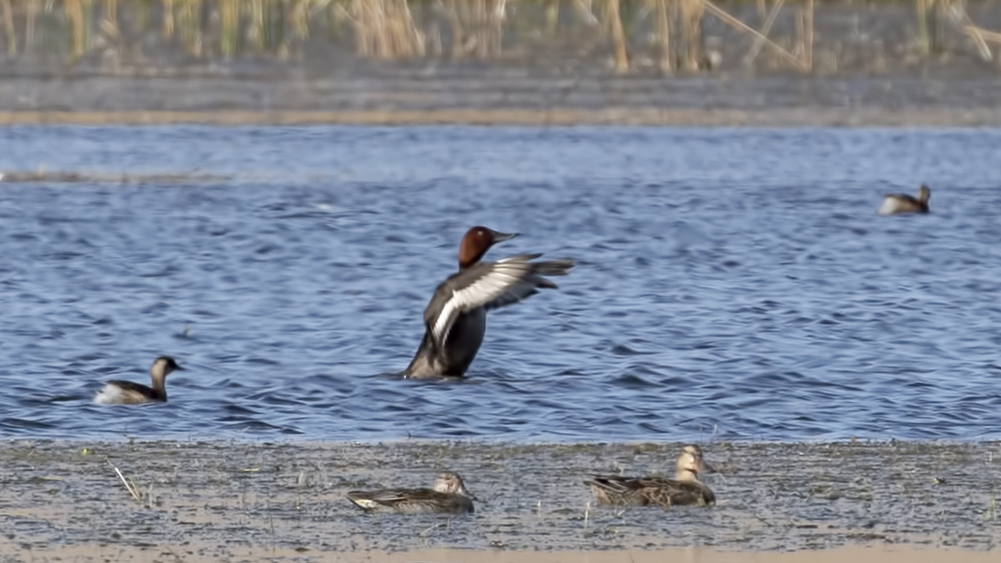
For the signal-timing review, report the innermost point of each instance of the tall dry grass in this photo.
(629, 32)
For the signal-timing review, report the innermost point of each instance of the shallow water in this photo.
(730, 283)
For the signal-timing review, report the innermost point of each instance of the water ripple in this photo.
(720, 290)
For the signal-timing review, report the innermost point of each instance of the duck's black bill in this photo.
(501, 237)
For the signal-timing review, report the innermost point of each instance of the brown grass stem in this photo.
(737, 24)
(129, 485)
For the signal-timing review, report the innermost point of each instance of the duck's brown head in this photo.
(476, 242)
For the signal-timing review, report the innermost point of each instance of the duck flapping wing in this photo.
(490, 285)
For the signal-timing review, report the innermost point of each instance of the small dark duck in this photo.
(129, 393)
(684, 489)
(903, 203)
(449, 496)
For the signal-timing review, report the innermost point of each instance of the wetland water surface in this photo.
(735, 283)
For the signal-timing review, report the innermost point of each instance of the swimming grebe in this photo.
(903, 203)
(449, 495)
(456, 318)
(129, 393)
(685, 488)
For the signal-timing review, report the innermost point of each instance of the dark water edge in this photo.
(772, 496)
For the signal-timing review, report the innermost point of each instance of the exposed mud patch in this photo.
(875, 115)
(220, 498)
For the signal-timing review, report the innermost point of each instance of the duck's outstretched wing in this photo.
(490, 285)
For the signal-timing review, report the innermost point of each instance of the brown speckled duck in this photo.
(449, 496)
(903, 203)
(684, 489)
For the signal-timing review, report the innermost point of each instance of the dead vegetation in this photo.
(620, 36)
(771, 496)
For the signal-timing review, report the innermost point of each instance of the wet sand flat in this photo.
(494, 98)
(680, 117)
(498, 96)
(226, 501)
(695, 555)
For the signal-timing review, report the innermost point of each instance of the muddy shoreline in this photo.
(868, 68)
(646, 117)
(493, 98)
(217, 500)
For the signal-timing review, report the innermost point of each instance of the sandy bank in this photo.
(190, 554)
(793, 117)
(225, 501)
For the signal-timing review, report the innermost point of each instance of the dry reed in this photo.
(664, 36)
(618, 36)
(8, 24)
(130, 486)
(671, 32)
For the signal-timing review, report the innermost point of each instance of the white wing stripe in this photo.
(502, 277)
(444, 319)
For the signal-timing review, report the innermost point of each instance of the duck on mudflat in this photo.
(448, 496)
(684, 489)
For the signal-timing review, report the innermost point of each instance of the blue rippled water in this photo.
(731, 283)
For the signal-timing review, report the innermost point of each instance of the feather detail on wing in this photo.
(497, 285)
(650, 490)
(616, 484)
(118, 392)
(392, 497)
(382, 497)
